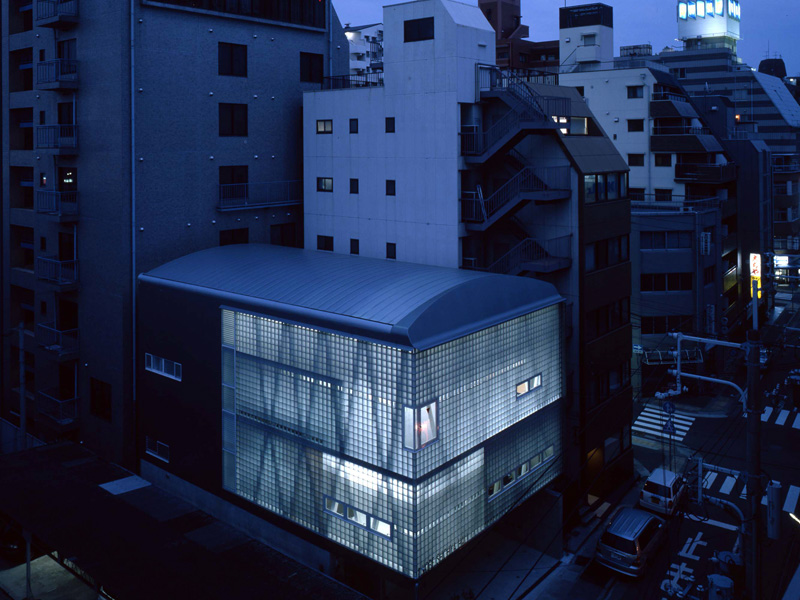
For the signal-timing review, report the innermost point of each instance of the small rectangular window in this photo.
(663, 195)
(390, 187)
(420, 426)
(523, 388)
(663, 160)
(635, 91)
(590, 188)
(635, 124)
(325, 242)
(389, 124)
(353, 125)
(356, 516)
(232, 59)
(353, 246)
(232, 120)
(391, 250)
(311, 67)
(324, 126)
(635, 160)
(100, 399)
(334, 507)
(354, 186)
(381, 527)
(418, 30)
(324, 184)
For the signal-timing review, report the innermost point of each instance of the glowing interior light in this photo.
(710, 8)
(718, 4)
(731, 8)
(701, 9)
(682, 10)
(692, 10)
(738, 8)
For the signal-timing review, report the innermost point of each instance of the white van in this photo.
(662, 492)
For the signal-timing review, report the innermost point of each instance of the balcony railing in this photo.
(346, 82)
(57, 340)
(706, 172)
(785, 163)
(48, 9)
(62, 272)
(532, 251)
(491, 78)
(654, 203)
(57, 137)
(783, 189)
(56, 203)
(54, 405)
(57, 71)
(253, 195)
(657, 96)
(680, 130)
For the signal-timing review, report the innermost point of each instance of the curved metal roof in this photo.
(407, 304)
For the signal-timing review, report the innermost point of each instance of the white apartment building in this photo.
(366, 48)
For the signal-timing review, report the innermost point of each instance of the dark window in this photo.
(635, 124)
(390, 187)
(661, 240)
(391, 250)
(353, 125)
(663, 160)
(42, 308)
(100, 398)
(43, 244)
(324, 184)
(607, 318)
(663, 195)
(67, 49)
(635, 91)
(324, 126)
(42, 117)
(228, 237)
(389, 124)
(325, 242)
(665, 324)
(353, 246)
(235, 174)
(232, 120)
(311, 67)
(635, 160)
(232, 59)
(636, 194)
(418, 30)
(580, 89)
(354, 186)
(709, 274)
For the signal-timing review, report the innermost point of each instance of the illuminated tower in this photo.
(709, 23)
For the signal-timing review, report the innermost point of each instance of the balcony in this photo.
(535, 256)
(61, 205)
(705, 173)
(683, 139)
(54, 405)
(668, 97)
(57, 75)
(347, 82)
(540, 185)
(62, 273)
(62, 139)
(651, 203)
(786, 163)
(240, 196)
(58, 14)
(63, 343)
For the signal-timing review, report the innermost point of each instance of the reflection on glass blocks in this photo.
(313, 430)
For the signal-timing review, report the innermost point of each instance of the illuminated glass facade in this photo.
(393, 452)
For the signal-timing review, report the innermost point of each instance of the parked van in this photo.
(662, 492)
(630, 541)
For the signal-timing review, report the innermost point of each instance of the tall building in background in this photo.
(512, 50)
(134, 133)
(366, 48)
(467, 165)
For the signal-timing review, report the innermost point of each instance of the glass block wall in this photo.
(315, 429)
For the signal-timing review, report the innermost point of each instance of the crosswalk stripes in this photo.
(728, 485)
(651, 422)
(782, 417)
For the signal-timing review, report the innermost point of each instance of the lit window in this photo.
(334, 507)
(381, 527)
(522, 388)
(420, 426)
(325, 126)
(356, 516)
(529, 384)
(324, 184)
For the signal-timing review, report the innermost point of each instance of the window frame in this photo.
(418, 30)
(324, 126)
(353, 126)
(391, 187)
(638, 161)
(635, 125)
(158, 365)
(228, 63)
(322, 184)
(312, 67)
(233, 119)
(322, 243)
(635, 92)
(390, 125)
(415, 413)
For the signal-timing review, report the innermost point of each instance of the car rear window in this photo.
(658, 489)
(618, 543)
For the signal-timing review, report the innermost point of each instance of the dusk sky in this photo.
(765, 23)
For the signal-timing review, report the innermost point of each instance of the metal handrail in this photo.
(529, 179)
(718, 171)
(531, 250)
(52, 338)
(658, 96)
(54, 71)
(61, 410)
(57, 136)
(47, 9)
(58, 203)
(346, 82)
(62, 272)
(267, 193)
(675, 204)
(680, 130)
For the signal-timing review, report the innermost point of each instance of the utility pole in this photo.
(752, 555)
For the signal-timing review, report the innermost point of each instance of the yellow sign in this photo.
(755, 273)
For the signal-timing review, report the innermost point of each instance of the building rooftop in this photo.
(404, 304)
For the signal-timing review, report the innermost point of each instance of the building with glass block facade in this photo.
(390, 408)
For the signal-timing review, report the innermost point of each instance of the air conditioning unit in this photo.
(705, 243)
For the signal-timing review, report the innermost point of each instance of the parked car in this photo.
(662, 492)
(630, 541)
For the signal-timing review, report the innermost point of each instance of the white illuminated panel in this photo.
(682, 10)
(781, 262)
(718, 4)
(692, 10)
(701, 9)
(710, 8)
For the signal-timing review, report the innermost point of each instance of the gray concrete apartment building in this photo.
(134, 133)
